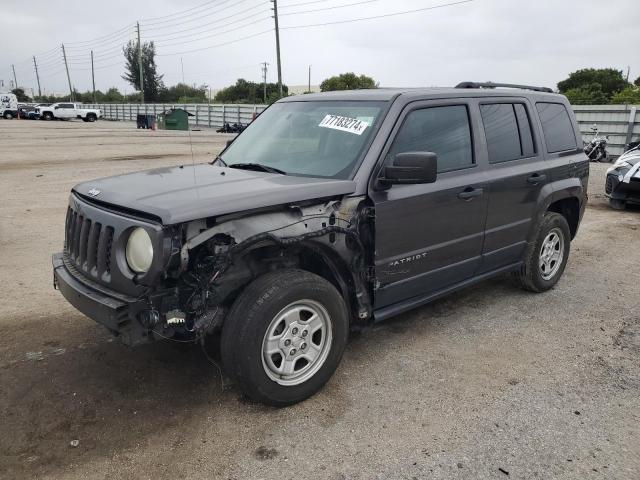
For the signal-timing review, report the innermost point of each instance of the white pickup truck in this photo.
(66, 111)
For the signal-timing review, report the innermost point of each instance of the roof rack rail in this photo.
(506, 85)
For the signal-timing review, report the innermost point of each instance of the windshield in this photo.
(319, 139)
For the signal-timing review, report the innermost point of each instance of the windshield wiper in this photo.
(258, 167)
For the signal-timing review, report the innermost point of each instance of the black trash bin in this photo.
(145, 120)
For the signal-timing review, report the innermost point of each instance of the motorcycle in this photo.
(596, 149)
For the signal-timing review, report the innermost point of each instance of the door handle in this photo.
(537, 178)
(470, 192)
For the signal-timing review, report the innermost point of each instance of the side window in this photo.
(66, 105)
(444, 131)
(556, 125)
(508, 131)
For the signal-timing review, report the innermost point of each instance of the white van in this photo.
(8, 105)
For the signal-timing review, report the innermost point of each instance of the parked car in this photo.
(8, 106)
(330, 212)
(68, 111)
(28, 112)
(622, 184)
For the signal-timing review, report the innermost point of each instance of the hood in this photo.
(190, 192)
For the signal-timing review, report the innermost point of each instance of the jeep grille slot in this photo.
(88, 245)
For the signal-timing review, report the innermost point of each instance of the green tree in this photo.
(347, 81)
(628, 96)
(591, 94)
(249, 92)
(637, 82)
(183, 93)
(20, 95)
(607, 80)
(151, 80)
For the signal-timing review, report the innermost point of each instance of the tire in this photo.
(8, 116)
(538, 275)
(91, 118)
(260, 310)
(617, 204)
(47, 116)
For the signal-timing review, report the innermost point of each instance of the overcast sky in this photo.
(532, 42)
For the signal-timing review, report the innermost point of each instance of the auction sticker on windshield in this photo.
(345, 124)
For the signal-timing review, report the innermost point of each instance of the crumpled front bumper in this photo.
(620, 190)
(117, 312)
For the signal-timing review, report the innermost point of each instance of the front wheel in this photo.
(547, 256)
(47, 116)
(8, 115)
(284, 336)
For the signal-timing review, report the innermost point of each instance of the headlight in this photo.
(139, 251)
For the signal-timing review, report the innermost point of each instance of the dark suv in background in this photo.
(329, 212)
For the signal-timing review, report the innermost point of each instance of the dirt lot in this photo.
(492, 382)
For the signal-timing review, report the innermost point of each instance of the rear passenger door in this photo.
(65, 110)
(517, 174)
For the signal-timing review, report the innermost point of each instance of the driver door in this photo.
(430, 236)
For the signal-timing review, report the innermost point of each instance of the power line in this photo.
(181, 18)
(329, 8)
(261, 12)
(378, 16)
(302, 3)
(215, 46)
(207, 25)
(217, 34)
(182, 11)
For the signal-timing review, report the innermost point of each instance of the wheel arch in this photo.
(569, 208)
(311, 256)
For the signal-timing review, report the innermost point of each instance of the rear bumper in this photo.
(118, 313)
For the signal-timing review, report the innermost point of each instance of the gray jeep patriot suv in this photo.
(330, 212)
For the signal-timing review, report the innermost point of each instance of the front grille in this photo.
(88, 245)
(608, 186)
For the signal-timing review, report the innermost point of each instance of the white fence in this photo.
(204, 115)
(620, 122)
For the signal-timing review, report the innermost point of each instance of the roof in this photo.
(387, 94)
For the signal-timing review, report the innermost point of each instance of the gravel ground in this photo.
(491, 382)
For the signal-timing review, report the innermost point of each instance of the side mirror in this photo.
(56, 107)
(411, 168)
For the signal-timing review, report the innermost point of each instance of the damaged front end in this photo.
(203, 265)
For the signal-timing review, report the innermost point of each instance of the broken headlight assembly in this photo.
(139, 250)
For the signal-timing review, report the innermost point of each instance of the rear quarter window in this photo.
(559, 135)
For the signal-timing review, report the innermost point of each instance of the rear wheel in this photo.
(284, 336)
(547, 256)
(91, 118)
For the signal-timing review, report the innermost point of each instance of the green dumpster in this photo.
(174, 119)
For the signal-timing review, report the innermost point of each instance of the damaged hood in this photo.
(190, 192)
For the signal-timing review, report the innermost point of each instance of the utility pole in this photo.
(140, 62)
(309, 88)
(264, 81)
(275, 16)
(66, 66)
(15, 80)
(93, 78)
(37, 77)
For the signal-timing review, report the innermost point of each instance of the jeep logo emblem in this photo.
(94, 192)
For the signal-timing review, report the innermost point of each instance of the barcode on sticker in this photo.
(345, 124)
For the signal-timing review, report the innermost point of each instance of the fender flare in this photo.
(551, 193)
